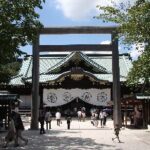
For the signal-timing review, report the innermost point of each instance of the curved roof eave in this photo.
(84, 57)
(17, 80)
(84, 73)
(57, 77)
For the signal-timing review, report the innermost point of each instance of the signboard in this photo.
(58, 97)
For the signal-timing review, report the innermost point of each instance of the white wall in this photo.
(26, 100)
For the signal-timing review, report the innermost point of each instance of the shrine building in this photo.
(71, 80)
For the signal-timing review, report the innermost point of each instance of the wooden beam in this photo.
(78, 30)
(62, 48)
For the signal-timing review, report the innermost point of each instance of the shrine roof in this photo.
(50, 64)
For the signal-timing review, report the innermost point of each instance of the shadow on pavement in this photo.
(52, 141)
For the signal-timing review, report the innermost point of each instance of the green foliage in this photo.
(140, 73)
(8, 70)
(134, 27)
(134, 22)
(18, 26)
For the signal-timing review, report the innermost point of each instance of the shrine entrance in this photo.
(75, 99)
(113, 47)
(78, 104)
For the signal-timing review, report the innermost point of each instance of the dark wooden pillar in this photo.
(144, 112)
(41, 98)
(125, 115)
(116, 81)
(35, 86)
(148, 111)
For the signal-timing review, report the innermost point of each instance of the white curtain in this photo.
(58, 97)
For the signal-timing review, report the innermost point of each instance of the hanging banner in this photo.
(58, 97)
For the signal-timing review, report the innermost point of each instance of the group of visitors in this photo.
(16, 125)
(15, 128)
(45, 116)
(97, 116)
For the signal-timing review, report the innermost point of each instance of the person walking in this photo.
(96, 118)
(58, 118)
(11, 134)
(116, 132)
(105, 118)
(79, 113)
(101, 117)
(18, 126)
(68, 118)
(83, 115)
(68, 122)
(41, 120)
(93, 118)
(48, 119)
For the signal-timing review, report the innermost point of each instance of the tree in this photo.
(133, 21)
(8, 70)
(134, 27)
(18, 26)
(140, 73)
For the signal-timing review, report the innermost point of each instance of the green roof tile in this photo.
(74, 56)
(50, 63)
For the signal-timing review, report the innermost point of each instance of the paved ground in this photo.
(84, 136)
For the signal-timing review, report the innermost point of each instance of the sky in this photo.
(75, 13)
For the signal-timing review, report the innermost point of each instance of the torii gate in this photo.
(82, 47)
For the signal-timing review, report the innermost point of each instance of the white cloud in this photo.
(77, 9)
(137, 50)
(100, 52)
(134, 54)
(82, 9)
(105, 42)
